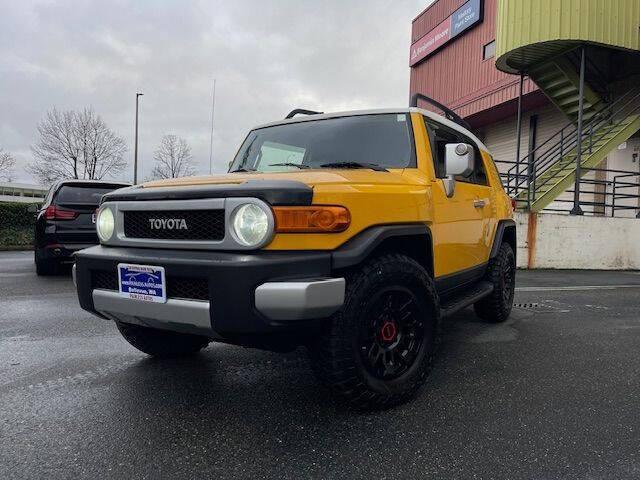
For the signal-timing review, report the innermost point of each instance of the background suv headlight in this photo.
(105, 224)
(250, 224)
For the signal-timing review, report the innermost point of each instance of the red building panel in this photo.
(457, 75)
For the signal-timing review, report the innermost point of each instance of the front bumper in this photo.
(248, 293)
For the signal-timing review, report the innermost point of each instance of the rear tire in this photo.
(46, 267)
(376, 352)
(162, 343)
(501, 272)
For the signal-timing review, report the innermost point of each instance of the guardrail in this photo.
(618, 192)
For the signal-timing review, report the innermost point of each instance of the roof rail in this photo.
(302, 111)
(448, 113)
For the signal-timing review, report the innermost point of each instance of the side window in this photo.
(479, 172)
(440, 136)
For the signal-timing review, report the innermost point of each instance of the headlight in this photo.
(250, 224)
(105, 224)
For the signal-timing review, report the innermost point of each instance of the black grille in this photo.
(200, 224)
(177, 287)
(192, 288)
(105, 280)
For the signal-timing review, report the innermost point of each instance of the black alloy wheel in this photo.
(391, 338)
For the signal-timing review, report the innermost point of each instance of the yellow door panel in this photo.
(484, 203)
(458, 229)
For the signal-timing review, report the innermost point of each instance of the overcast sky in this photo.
(267, 56)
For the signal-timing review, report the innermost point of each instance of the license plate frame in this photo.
(147, 283)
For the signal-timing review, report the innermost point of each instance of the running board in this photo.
(469, 297)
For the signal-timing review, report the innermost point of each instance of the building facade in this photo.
(484, 58)
(22, 192)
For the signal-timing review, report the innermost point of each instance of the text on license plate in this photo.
(142, 282)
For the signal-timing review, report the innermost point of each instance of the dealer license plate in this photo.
(142, 282)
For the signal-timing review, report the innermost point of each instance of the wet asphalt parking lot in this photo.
(553, 393)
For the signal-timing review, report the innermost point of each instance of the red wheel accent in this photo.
(388, 332)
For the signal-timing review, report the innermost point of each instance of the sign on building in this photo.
(460, 21)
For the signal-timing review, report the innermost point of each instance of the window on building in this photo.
(489, 50)
(440, 136)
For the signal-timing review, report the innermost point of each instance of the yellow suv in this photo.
(351, 233)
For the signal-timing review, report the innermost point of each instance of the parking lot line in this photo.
(574, 288)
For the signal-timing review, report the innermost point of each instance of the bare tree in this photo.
(7, 162)
(76, 145)
(173, 158)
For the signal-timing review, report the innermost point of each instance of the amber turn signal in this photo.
(314, 219)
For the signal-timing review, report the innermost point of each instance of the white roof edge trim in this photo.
(427, 113)
(453, 125)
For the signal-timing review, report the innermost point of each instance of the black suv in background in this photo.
(66, 220)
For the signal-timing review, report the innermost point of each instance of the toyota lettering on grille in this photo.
(168, 224)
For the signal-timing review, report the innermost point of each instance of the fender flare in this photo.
(359, 247)
(503, 225)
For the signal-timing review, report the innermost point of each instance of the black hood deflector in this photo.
(274, 192)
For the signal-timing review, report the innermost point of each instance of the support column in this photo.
(531, 186)
(576, 210)
(600, 188)
(519, 133)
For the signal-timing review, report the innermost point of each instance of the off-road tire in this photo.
(335, 354)
(45, 267)
(162, 343)
(496, 307)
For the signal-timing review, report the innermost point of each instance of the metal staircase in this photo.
(559, 79)
(536, 180)
(585, 56)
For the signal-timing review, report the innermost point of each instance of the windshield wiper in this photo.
(242, 169)
(289, 164)
(372, 166)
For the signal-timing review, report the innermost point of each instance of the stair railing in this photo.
(598, 124)
(556, 147)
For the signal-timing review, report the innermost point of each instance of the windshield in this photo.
(86, 194)
(364, 141)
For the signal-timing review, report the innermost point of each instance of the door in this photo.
(461, 222)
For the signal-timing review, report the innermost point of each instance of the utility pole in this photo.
(135, 148)
(213, 107)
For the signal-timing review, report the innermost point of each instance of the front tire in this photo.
(376, 352)
(501, 272)
(162, 343)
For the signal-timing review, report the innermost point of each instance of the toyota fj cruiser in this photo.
(352, 233)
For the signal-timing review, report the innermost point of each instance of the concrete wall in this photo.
(573, 242)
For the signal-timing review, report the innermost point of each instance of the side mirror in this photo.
(459, 160)
(33, 208)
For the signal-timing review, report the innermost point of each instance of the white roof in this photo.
(427, 113)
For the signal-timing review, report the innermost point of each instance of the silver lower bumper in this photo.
(280, 301)
(190, 316)
(300, 300)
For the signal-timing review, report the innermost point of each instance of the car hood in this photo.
(316, 177)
